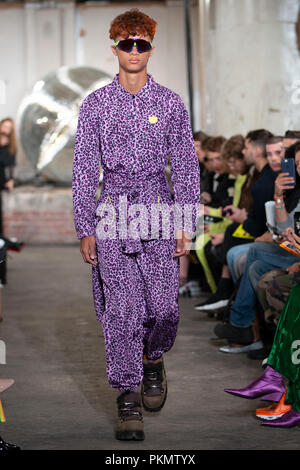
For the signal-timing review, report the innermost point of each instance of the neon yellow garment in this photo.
(219, 227)
(241, 233)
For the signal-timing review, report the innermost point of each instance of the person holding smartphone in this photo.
(275, 286)
(284, 182)
(263, 257)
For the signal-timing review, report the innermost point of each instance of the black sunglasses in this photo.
(126, 45)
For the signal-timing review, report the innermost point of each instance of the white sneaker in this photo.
(184, 290)
(190, 289)
(215, 306)
(194, 288)
(265, 362)
(242, 349)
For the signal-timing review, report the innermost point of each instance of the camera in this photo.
(227, 212)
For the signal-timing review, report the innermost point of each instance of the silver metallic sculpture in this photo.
(47, 119)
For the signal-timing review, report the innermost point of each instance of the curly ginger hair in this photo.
(132, 22)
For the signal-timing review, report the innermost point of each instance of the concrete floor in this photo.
(61, 399)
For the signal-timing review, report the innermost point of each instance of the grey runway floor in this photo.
(61, 399)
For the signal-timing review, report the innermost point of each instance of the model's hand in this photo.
(184, 243)
(88, 249)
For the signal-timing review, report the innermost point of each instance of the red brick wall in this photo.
(37, 215)
(40, 227)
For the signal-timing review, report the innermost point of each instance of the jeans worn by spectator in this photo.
(262, 257)
(233, 254)
(239, 265)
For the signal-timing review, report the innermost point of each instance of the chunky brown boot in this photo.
(130, 425)
(154, 386)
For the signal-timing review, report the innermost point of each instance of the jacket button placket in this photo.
(133, 134)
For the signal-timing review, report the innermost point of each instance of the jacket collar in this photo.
(144, 94)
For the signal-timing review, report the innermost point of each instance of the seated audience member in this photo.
(275, 152)
(199, 141)
(258, 188)
(232, 153)
(274, 287)
(237, 263)
(187, 285)
(216, 183)
(224, 190)
(216, 187)
(262, 257)
(207, 166)
(267, 161)
(269, 299)
(290, 138)
(237, 169)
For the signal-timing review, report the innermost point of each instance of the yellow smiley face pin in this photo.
(153, 119)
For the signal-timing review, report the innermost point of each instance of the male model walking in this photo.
(131, 126)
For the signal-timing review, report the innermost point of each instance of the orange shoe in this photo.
(274, 411)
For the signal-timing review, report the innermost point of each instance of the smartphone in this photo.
(209, 219)
(288, 166)
(297, 223)
(289, 247)
(225, 213)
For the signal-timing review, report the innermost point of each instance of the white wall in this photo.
(37, 40)
(40, 40)
(12, 63)
(251, 58)
(252, 62)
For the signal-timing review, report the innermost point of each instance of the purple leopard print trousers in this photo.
(141, 306)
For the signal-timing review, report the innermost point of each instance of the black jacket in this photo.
(6, 160)
(222, 192)
(262, 191)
